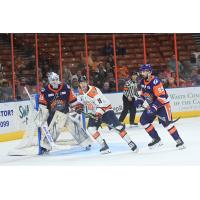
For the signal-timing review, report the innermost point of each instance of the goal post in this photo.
(39, 132)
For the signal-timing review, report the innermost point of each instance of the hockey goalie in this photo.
(54, 102)
(53, 116)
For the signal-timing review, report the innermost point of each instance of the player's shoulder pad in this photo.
(97, 89)
(156, 80)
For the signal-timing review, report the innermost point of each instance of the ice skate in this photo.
(104, 149)
(180, 144)
(44, 151)
(155, 143)
(133, 146)
(87, 148)
(45, 147)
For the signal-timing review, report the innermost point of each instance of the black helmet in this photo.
(83, 79)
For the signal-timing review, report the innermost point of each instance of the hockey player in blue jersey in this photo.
(55, 100)
(56, 96)
(157, 98)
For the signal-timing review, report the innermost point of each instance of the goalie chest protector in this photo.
(57, 99)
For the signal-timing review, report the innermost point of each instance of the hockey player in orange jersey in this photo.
(99, 107)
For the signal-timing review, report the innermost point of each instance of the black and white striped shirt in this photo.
(130, 89)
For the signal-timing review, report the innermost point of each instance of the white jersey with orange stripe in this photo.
(95, 101)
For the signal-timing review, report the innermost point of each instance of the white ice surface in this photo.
(189, 130)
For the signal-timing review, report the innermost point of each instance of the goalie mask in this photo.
(54, 80)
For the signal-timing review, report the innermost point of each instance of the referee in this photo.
(130, 90)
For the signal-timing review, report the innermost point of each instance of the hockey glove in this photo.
(79, 108)
(138, 103)
(98, 117)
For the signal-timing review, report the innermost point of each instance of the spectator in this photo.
(110, 61)
(171, 82)
(91, 60)
(193, 59)
(98, 83)
(6, 91)
(167, 72)
(172, 65)
(163, 76)
(79, 75)
(101, 72)
(21, 94)
(108, 49)
(2, 80)
(67, 75)
(106, 88)
(111, 80)
(195, 77)
(120, 50)
(123, 72)
(75, 84)
(182, 82)
(20, 66)
(108, 68)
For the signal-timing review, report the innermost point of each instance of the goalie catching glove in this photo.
(79, 108)
(97, 117)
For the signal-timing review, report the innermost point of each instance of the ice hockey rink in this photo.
(121, 154)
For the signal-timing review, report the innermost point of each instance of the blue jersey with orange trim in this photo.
(154, 92)
(58, 99)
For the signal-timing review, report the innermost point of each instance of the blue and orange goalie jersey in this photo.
(58, 99)
(154, 92)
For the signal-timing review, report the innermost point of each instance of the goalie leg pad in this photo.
(78, 133)
(57, 123)
(40, 116)
(61, 120)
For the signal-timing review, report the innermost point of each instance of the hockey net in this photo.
(30, 142)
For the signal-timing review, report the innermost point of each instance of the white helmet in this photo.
(54, 79)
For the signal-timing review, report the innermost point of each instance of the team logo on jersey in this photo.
(148, 87)
(57, 104)
(155, 81)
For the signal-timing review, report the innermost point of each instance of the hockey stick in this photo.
(89, 115)
(43, 127)
(163, 118)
